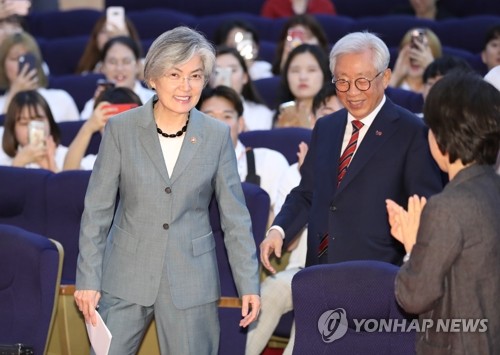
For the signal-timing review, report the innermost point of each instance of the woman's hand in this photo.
(404, 224)
(100, 117)
(401, 67)
(28, 154)
(421, 55)
(301, 154)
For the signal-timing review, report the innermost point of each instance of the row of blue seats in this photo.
(463, 33)
(353, 8)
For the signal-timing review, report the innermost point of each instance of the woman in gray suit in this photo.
(154, 255)
(451, 278)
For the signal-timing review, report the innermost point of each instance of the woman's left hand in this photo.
(250, 309)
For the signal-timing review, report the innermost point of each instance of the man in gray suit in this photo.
(155, 255)
(452, 273)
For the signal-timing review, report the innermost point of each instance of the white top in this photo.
(289, 180)
(493, 77)
(61, 104)
(269, 165)
(144, 94)
(171, 148)
(59, 158)
(257, 116)
(260, 69)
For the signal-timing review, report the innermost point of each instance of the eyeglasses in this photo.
(195, 79)
(125, 62)
(362, 84)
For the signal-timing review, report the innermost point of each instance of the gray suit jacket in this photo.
(161, 223)
(454, 265)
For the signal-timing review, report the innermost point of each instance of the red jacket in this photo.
(283, 8)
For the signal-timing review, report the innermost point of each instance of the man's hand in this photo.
(250, 309)
(272, 243)
(87, 301)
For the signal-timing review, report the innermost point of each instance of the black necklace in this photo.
(174, 135)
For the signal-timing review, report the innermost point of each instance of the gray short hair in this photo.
(357, 42)
(175, 47)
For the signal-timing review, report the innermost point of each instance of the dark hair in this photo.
(322, 59)
(443, 65)
(118, 95)
(463, 112)
(221, 32)
(307, 21)
(328, 90)
(91, 53)
(31, 99)
(126, 41)
(249, 92)
(492, 33)
(224, 92)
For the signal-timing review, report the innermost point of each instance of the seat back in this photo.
(66, 194)
(80, 87)
(284, 140)
(232, 337)
(29, 286)
(69, 130)
(363, 290)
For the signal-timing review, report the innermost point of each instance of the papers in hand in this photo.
(100, 336)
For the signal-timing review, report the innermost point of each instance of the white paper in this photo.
(100, 336)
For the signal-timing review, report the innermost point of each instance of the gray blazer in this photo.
(454, 265)
(161, 223)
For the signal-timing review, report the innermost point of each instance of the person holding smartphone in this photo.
(21, 69)
(287, 8)
(417, 49)
(31, 136)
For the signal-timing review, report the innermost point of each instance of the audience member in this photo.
(440, 67)
(15, 77)
(120, 58)
(490, 54)
(31, 136)
(296, 30)
(425, 9)
(10, 25)
(341, 197)
(91, 59)
(287, 8)
(276, 290)
(231, 70)
(242, 35)
(418, 48)
(304, 74)
(261, 166)
(453, 240)
(109, 103)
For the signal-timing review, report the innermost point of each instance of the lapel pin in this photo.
(378, 133)
(192, 140)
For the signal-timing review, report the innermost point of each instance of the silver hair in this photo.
(175, 47)
(358, 42)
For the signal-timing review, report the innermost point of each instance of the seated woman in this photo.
(121, 65)
(297, 30)
(231, 70)
(232, 34)
(453, 241)
(417, 49)
(304, 74)
(15, 77)
(31, 135)
(286, 8)
(90, 61)
(110, 102)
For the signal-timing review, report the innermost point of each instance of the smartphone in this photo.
(417, 35)
(122, 107)
(105, 83)
(295, 37)
(37, 133)
(28, 59)
(115, 18)
(245, 45)
(222, 76)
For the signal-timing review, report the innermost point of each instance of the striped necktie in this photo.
(345, 159)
